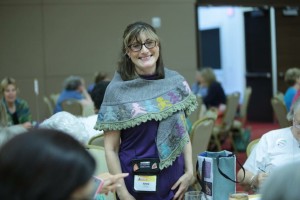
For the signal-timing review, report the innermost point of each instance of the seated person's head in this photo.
(206, 76)
(283, 184)
(291, 76)
(45, 164)
(100, 76)
(73, 83)
(67, 123)
(97, 94)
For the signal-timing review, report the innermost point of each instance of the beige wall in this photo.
(52, 39)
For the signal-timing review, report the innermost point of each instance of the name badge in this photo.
(145, 173)
(145, 183)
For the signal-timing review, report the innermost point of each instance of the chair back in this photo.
(251, 146)
(54, 98)
(49, 105)
(280, 112)
(231, 109)
(98, 154)
(97, 140)
(196, 114)
(72, 106)
(244, 107)
(200, 136)
(280, 96)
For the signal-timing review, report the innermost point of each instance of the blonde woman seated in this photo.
(275, 148)
(16, 109)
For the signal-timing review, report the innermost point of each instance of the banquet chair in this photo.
(49, 105)
(251, 146)
(241, 120)
(280, 96)
(98, 153)
(200, 136)
(54, 98)
(97, 140)
(280, 112)
(194, 116)
(72, 106)
(223, 130)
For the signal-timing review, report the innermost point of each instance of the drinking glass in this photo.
(192, 195)
(238, 196)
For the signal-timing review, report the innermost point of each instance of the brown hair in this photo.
(126, 67)
(208, 74)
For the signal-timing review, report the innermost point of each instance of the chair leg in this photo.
(217, 142)
(232, 141)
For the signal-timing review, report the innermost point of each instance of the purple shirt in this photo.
(139, 142)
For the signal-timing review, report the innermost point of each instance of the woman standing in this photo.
(143, 118)
(17, 109)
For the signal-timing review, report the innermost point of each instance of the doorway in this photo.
(240, 64)
(258, 64)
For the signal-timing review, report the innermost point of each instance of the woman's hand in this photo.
(27, 125)
(261, 177)
(183, 183)
(111, 182)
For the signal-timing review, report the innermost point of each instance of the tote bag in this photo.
(218, 174)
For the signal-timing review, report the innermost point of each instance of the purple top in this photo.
(139, 142)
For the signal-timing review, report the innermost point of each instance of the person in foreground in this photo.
(144, 107)
(17, 109)
(48, 164)
(283, 184)
(275, 148)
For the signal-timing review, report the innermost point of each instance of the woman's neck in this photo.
(11, 107)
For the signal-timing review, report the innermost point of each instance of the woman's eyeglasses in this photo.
(149, 44)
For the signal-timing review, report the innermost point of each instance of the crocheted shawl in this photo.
(129, 103)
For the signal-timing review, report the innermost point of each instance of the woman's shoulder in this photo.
(21, 101)
(277, 133)
(290, 91)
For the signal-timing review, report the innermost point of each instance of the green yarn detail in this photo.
(189, 104)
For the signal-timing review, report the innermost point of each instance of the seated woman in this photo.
(215, 96)
(61, 171)
(17, 109)
(99, 77)
(292, 78)
(275, 148)
(74, 88)
(199, 88)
